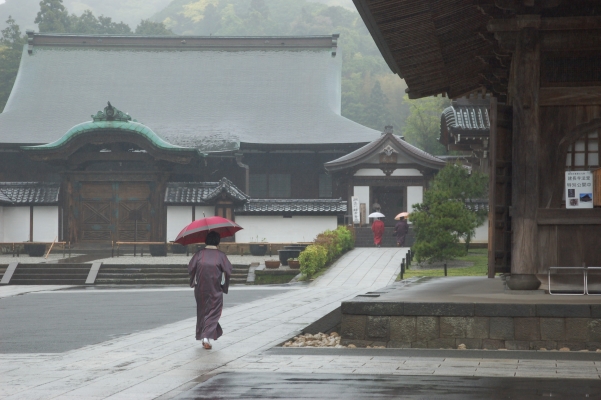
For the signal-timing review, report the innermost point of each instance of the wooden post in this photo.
(31, 223)
(525, 75)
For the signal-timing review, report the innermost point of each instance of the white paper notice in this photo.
(355, 210)
(579, 189)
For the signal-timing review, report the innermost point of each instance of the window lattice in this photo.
(583, 155)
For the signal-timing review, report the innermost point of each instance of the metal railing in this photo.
(585, 273)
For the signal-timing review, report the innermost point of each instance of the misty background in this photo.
(371, 94)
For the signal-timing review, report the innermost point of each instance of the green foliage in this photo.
(443, 218)
(87, 23)
(148, 27)
(327, 247)
(11, 48)
(53, 17)
(312, 259)
(422, 128)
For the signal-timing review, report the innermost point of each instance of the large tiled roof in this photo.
(209, 93)
(292, 206)
(467, 119)
(202, 192)
(417, 155)
(28, 193)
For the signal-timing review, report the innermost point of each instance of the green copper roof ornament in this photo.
(111, 114)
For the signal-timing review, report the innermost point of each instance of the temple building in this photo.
(538, 62)
(181, 127)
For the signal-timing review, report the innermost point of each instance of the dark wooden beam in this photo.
(525, 87)
(544, 24)
(570, 96)
(562, 216)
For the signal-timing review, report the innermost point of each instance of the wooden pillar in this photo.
(526, 126)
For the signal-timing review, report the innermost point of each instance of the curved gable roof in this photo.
(366, 152)
(210, 93)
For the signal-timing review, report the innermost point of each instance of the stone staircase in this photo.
(239, 274)
(143, 275)
(50, 274)
(364, 237)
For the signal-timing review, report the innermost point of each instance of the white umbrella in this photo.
(376, 215)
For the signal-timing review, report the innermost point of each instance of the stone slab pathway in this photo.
(164, 362)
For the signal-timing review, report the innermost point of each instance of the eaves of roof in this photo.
(418, 156)
(29, 193)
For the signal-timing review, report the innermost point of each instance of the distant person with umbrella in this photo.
(401, 228)
(210, 272)
(377, 227)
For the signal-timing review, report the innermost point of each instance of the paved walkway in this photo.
(166, 361)
(364, 267)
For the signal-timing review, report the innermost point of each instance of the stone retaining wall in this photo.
(477, 326)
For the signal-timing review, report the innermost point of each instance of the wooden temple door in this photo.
(96, 222)
(499, 229)
(115, 211)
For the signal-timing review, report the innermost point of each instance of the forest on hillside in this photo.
(371, 94)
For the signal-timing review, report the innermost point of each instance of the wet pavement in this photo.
(345, 386)
(59, 321)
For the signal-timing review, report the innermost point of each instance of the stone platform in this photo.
(474, 311)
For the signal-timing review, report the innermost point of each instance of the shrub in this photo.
(312, 259)
(325, 248)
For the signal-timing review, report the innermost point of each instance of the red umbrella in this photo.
(197, 231)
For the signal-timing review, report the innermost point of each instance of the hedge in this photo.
(325, 248)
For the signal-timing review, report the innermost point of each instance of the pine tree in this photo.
(53, 17)
(148, 27)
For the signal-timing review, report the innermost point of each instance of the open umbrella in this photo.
(403, 214)
(197, 231)
(376, 215)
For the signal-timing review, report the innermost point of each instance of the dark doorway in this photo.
(391, 200)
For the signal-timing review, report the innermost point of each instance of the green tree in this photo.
(11, 48)
(53, 17)
(444, 217)
(422, 128)
(148, 27)
(87, 23)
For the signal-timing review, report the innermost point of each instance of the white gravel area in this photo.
(172, 259)
(25, 259)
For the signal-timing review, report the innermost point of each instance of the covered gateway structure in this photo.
(540, 61)
(263, 113)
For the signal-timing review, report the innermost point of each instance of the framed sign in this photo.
(579, 189)
(355, 210)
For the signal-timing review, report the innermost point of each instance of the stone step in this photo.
(143, 281)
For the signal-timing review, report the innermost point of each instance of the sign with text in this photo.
(355, 210)
(579, 189)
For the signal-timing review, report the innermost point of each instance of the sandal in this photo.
(206, 345)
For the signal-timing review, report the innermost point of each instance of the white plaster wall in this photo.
(16, 224)
(362, 192)
(481, 235)
(415, 195)
(276, 229)
(45, 223)
(209, 211)
(396, 172)
(177, 218)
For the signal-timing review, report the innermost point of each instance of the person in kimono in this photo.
(400, 231)
(378, 229)
(210, 272)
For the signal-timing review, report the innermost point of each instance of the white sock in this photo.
(205, 340)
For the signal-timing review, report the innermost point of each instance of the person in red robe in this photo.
(378, 229)
(210, 272)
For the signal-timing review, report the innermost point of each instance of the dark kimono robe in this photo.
(206, 269)
(400, 230)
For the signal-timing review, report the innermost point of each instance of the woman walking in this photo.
(400, 230)
(378, 229)
(209, 272)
